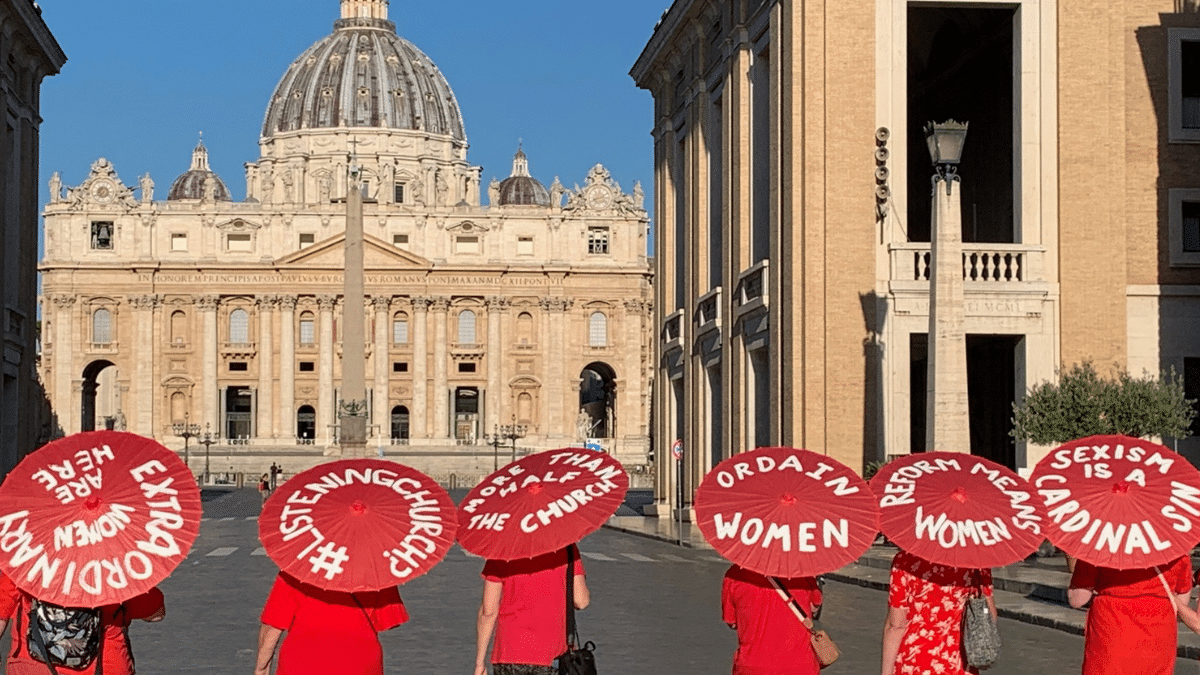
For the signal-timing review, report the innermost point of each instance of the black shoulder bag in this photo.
(579, 660)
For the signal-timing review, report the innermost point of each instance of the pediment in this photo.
(377, 255)
(239, 225)
(469, 227)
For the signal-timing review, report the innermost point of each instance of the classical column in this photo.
(496, 307)
(382, 305)
(208, 386)
(630, 412)
(419, 415)
(441, 412)
(266, 366)
(325, 403)
(141, 418)
(947, 418)
(287, 367)
(65, 405)
(559, 422)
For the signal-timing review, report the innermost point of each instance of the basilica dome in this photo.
(364, 75)
(193, 183)
(522, 189)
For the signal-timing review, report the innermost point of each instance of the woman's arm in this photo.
(893, 632)
(582, 596)
(158, 615)
(268, 637)
(485, 625)
(1187, 615)
(1078, 597)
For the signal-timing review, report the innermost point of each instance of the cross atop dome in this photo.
(365, 9)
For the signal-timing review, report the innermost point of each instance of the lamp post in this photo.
(207, 440)
(186, 431)
(502, 433)
(947, 414)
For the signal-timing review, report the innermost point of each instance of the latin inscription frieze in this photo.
(295, 278)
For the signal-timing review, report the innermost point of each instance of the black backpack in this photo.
(71, 637)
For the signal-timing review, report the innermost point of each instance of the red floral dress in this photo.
(934, 596)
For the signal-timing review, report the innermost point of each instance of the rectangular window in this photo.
(399, 367)
(466, 245)
(398, 194)
(308, 367)
(1183, 84)
(1191, 227)
(1183, 209)
(1191, 389)
(307, 239)
(238, 366)
(466, 367)
(598, 241)
(400, 331)
(400, 240)
(238, 242)
(524, 245)
(178, 242)
(308, 334)
(102, 235)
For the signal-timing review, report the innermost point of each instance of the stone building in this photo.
(30, 53)
(793, 208)
(532, 310)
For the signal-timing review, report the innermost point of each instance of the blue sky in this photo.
(143, 79)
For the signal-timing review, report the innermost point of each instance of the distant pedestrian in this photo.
(1131, 625)
(771, 639)
(264, 488)
(63, 636)
(923, 629)
(327, 631)
(525, 606)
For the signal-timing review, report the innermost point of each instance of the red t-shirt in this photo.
(531, 628)
(330, 632)
(771, 639)
(15, 604)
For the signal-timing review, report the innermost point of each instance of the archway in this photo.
(597, 402)
(101, 398)
(306, 423)
(400, 423)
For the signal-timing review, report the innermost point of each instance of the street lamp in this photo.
(186, 431)
(207, 439)
(946, 141)
(500, 434)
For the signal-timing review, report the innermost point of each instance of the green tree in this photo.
(1083, 404)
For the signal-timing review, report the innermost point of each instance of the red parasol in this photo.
(96, 518)
(1120, 502)
(358, 525)
(956, 509)
(541, 503)
(785, 512)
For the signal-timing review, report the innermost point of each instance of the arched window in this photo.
(308, 330)
(466, 327)
(598, 330)
(102, 326)
(178, 407)
(178, 327)
(306, 423)
(400, 329)
(525, 408)
(525, 329)
(239, 327)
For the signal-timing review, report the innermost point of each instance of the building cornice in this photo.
(31, 17)
(667, 26)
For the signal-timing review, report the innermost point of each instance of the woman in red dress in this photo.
(923, 630)
(327, 631)
(1131, 625)
(771, 639)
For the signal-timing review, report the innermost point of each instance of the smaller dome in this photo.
(522, 189)
(194, 183)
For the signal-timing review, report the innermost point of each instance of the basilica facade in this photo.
(202, 313)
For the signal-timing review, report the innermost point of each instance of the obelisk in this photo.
(352, 411)
(947, 416)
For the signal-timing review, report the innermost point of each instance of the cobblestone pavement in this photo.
(655, 609)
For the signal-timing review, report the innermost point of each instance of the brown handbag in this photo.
(825, 648)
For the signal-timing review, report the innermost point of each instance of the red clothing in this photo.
(1131, 625)
(934, 596)
(531, 628)
(330, 632)
(15, 606)
(771, 639)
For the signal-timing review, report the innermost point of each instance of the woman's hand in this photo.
(480, 669)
